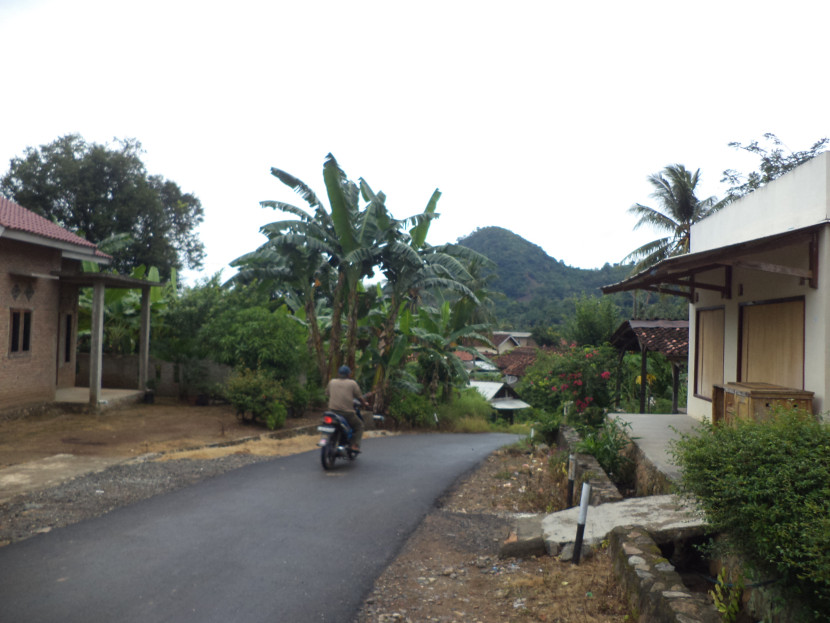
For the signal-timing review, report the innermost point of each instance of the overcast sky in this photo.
(544, 118)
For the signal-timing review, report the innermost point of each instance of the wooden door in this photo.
(772, 343)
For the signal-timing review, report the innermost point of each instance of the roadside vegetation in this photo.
(764, 487)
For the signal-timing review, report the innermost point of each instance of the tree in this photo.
(593, 322)
(679, 208)
(774, 163)
(340, 248)
(102, 191)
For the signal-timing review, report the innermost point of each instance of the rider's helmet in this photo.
(344, 371)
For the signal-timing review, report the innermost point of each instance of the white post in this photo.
(580, 522)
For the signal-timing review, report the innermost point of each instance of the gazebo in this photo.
(668, 337)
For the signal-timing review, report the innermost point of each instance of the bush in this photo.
(257, 338)
(573, 374)
(547, 425)
(414, 409)
(766, 487)
(298, 398)
(469, 403)
(607, 445)
(259, 394)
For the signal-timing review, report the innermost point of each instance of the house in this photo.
(501, 397)
(758, 283)
(505, 341)
(40, 277)
(475, 363)
(515, 362)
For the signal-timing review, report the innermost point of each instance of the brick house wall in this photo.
(32, 375)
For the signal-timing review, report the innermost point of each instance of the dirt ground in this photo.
(129, 431)
(448, 571)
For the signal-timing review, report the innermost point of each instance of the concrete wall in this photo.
(30, 376)
(795, 200)
(121, 371)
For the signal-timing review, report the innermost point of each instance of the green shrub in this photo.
(257, 338)
(414, 409)
(298, 398)
(469, 403)
(766, 488)
(607, 445)
(547, 425)
(471, 424)
(259, 394)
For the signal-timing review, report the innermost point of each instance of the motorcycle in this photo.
(337, 436)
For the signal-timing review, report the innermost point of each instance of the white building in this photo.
(758, 283)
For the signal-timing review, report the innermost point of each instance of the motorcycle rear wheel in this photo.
(328, 453)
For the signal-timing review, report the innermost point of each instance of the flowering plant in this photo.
(570, 374)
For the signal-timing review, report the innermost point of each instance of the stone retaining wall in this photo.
(654, 588)
(587, 470)
(648, 480)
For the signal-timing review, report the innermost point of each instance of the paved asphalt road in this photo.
(279, 541)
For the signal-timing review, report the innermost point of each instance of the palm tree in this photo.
(679, 208)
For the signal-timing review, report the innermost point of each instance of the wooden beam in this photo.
(661, 290)
(697, 284)
(769, 267)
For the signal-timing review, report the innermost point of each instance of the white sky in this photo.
(542, 117)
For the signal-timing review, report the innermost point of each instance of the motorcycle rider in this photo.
(341, 393)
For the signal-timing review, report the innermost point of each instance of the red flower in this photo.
(605, 375)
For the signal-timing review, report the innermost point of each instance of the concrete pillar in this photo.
(96, 345)
(144, 340)
(643, 379)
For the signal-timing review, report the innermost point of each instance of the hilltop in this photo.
(538, 289)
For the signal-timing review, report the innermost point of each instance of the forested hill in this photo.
(537, 287)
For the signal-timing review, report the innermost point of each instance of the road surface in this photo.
(276, 541)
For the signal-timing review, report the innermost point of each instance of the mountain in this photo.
(538, 289)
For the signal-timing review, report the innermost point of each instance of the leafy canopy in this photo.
(104, 193)
(678, 208)
(775, 160)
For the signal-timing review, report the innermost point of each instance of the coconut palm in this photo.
(678, 209)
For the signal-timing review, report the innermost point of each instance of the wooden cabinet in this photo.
(744, 401)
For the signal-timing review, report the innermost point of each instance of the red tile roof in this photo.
(463, 355)
(673, 342)
(670, 337)
(18, 218)
(516, 361)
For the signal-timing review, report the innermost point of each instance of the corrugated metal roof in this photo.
(509, 404)
(488, 389)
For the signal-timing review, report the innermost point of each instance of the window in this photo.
(67, 340)
(21, 331)
(772, 343)
(708, 351)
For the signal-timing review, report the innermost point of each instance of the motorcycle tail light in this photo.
(327, 419)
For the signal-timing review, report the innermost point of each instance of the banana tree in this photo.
(437, 344)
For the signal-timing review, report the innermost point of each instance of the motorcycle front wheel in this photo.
(328, 453)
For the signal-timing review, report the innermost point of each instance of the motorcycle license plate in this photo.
(326, 429)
